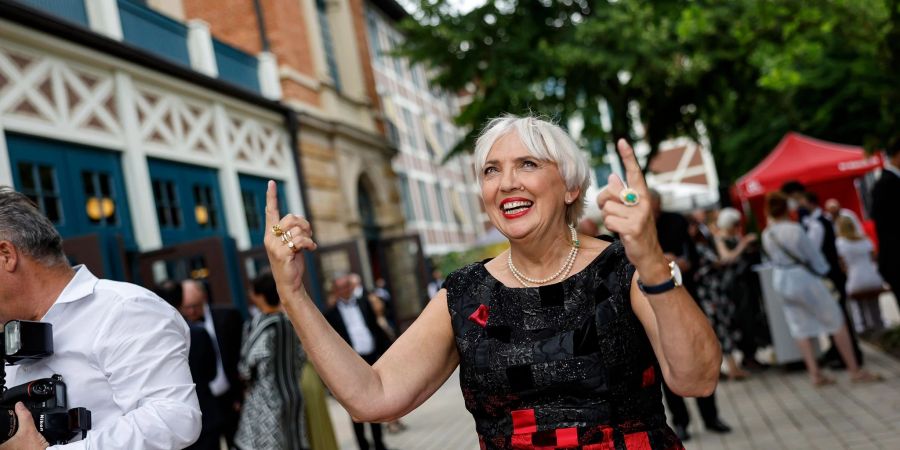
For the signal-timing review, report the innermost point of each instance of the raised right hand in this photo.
(288, 265)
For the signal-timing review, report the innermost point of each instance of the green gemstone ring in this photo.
(629, 197)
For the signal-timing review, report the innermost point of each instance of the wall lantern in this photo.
(100, 208)
(201, 213)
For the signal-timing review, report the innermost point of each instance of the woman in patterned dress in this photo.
(713, 278)
(558, 345)
(271, 363)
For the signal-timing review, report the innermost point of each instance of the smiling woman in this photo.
(561, 342)
(545, 146)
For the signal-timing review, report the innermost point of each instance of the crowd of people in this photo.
(255, 387)
(621, 324)
(805, 244)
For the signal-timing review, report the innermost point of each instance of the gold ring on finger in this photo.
(630, 197)
(289, 235)
(276, 230)
(284, 238)
(291, 246)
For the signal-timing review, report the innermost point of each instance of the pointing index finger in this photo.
(272, 215)
(633, 173)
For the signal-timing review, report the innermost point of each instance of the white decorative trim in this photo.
(52, 97)
(103, 16)
(53, 88)
(200, 48)
(230, 184)
(176, 126)
(269, 83)
(138, 186)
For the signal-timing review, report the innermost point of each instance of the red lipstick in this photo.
(518, 213)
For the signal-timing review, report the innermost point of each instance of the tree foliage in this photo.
(749, 70)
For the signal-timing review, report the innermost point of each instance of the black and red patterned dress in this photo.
(563, 366)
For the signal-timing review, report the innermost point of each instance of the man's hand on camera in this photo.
(27, 436)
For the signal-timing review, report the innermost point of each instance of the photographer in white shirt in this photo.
(122, 352)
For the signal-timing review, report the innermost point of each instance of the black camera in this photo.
(46, 397)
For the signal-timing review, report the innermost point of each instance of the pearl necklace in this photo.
(561, 273)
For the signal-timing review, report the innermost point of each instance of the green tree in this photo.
(750, 70)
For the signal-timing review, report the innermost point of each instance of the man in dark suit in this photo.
(225, 326)
(202, 361)
(887, 219)
(353, 319)
(676, 243)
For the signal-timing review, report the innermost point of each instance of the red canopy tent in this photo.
(826, 168)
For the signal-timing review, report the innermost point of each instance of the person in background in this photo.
(271, 363)
(864, 284)
(886, 215)
(737, 254)
(809, 308)
(122, 350)
(202, 360)
(702, 218)
(225, 326)
(319, 429)
(353, 320)
(379, 309)
(796, 198)
(437, 281)
(381, 291)
(709, 277)
(677, 246)
(821, 232)
(833, 212)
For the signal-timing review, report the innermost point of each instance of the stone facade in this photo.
(325, 76)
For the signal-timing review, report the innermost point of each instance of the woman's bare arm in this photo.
(685, 345)
(412, 369)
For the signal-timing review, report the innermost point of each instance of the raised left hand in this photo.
(27, 436)
(634, 224)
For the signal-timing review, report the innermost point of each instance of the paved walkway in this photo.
(774, 410)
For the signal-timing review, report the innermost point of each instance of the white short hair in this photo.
(728, 217)
(545, 141)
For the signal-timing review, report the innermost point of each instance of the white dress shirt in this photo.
(219, 385)
(890, 167)
(814, 228)
(361, 338)
(123, 354)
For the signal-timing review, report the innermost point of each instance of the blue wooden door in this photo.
(188, 202)
(253, 194)
(80, 189)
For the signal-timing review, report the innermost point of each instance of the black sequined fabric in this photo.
(564, 366)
